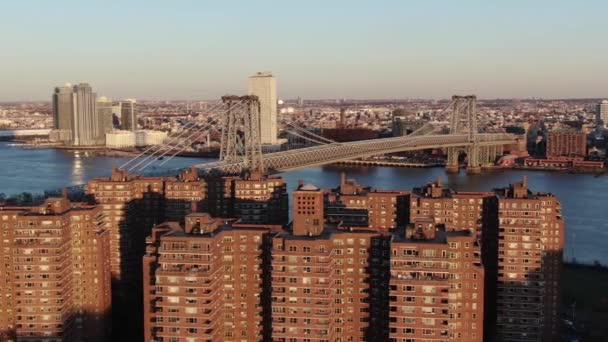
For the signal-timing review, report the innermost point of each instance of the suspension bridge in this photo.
(237, 119)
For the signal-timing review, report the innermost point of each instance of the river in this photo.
(584, 197)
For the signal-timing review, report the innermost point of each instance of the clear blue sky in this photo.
(180, 49)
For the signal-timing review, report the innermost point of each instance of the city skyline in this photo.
(339, 50)
(319, 171)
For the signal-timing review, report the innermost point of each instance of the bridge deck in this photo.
(331, 153)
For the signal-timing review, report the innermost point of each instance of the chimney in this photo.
(194, 207)
(342, 179)
(524, 182)
(65, 192)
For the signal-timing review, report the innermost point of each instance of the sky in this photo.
(317, 49)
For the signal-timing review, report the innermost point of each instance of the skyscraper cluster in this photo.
(213, 258)
(77, 121)
(82, 119)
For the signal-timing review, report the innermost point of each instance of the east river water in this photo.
(584, 197)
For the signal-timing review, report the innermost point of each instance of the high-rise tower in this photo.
(264, 86)
(602, 113)
(62, 107)
(104, 114)
(530, 251)
(128, 114)
(86, 127)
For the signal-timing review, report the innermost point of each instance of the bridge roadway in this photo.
(331, 153)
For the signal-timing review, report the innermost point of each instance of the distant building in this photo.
(54, 275)
(120, 139)
(87, 129)
(566, 143)
(75, 111)
(128, 115)
(403, 125)
(264, 86)
(602, 113)
(105, 114)
(63, 108)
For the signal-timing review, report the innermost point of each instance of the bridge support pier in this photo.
(452, 165)
(474, 159)
(473, 170)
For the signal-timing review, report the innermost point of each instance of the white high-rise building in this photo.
(264, 86)
(602, 113)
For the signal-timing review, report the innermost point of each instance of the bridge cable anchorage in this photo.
(184, 147)
(304, 130)
(306, 138)
(171, 147)
(184, 128)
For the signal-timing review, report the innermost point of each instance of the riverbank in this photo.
(585, 301)
(389, 163)
(556, 169)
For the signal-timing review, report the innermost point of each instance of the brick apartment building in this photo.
(438, 277)
(133, 204)
(566, 143)
(204, 281)
(356, 206)
(356, 264)
(55, 274)
(436, 285)
(531, 241)
(321, 279)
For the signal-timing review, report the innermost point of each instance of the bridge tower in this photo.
(240, 140)
(464, 121)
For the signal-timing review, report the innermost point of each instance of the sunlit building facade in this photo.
(55, 274)
(530, 251)
(264, 86)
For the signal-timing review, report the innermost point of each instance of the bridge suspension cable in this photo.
(159, 147)
(303, 130)
(186, 146)
(294, 133)
(170, 148)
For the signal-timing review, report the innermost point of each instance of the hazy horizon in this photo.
(191, 50)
